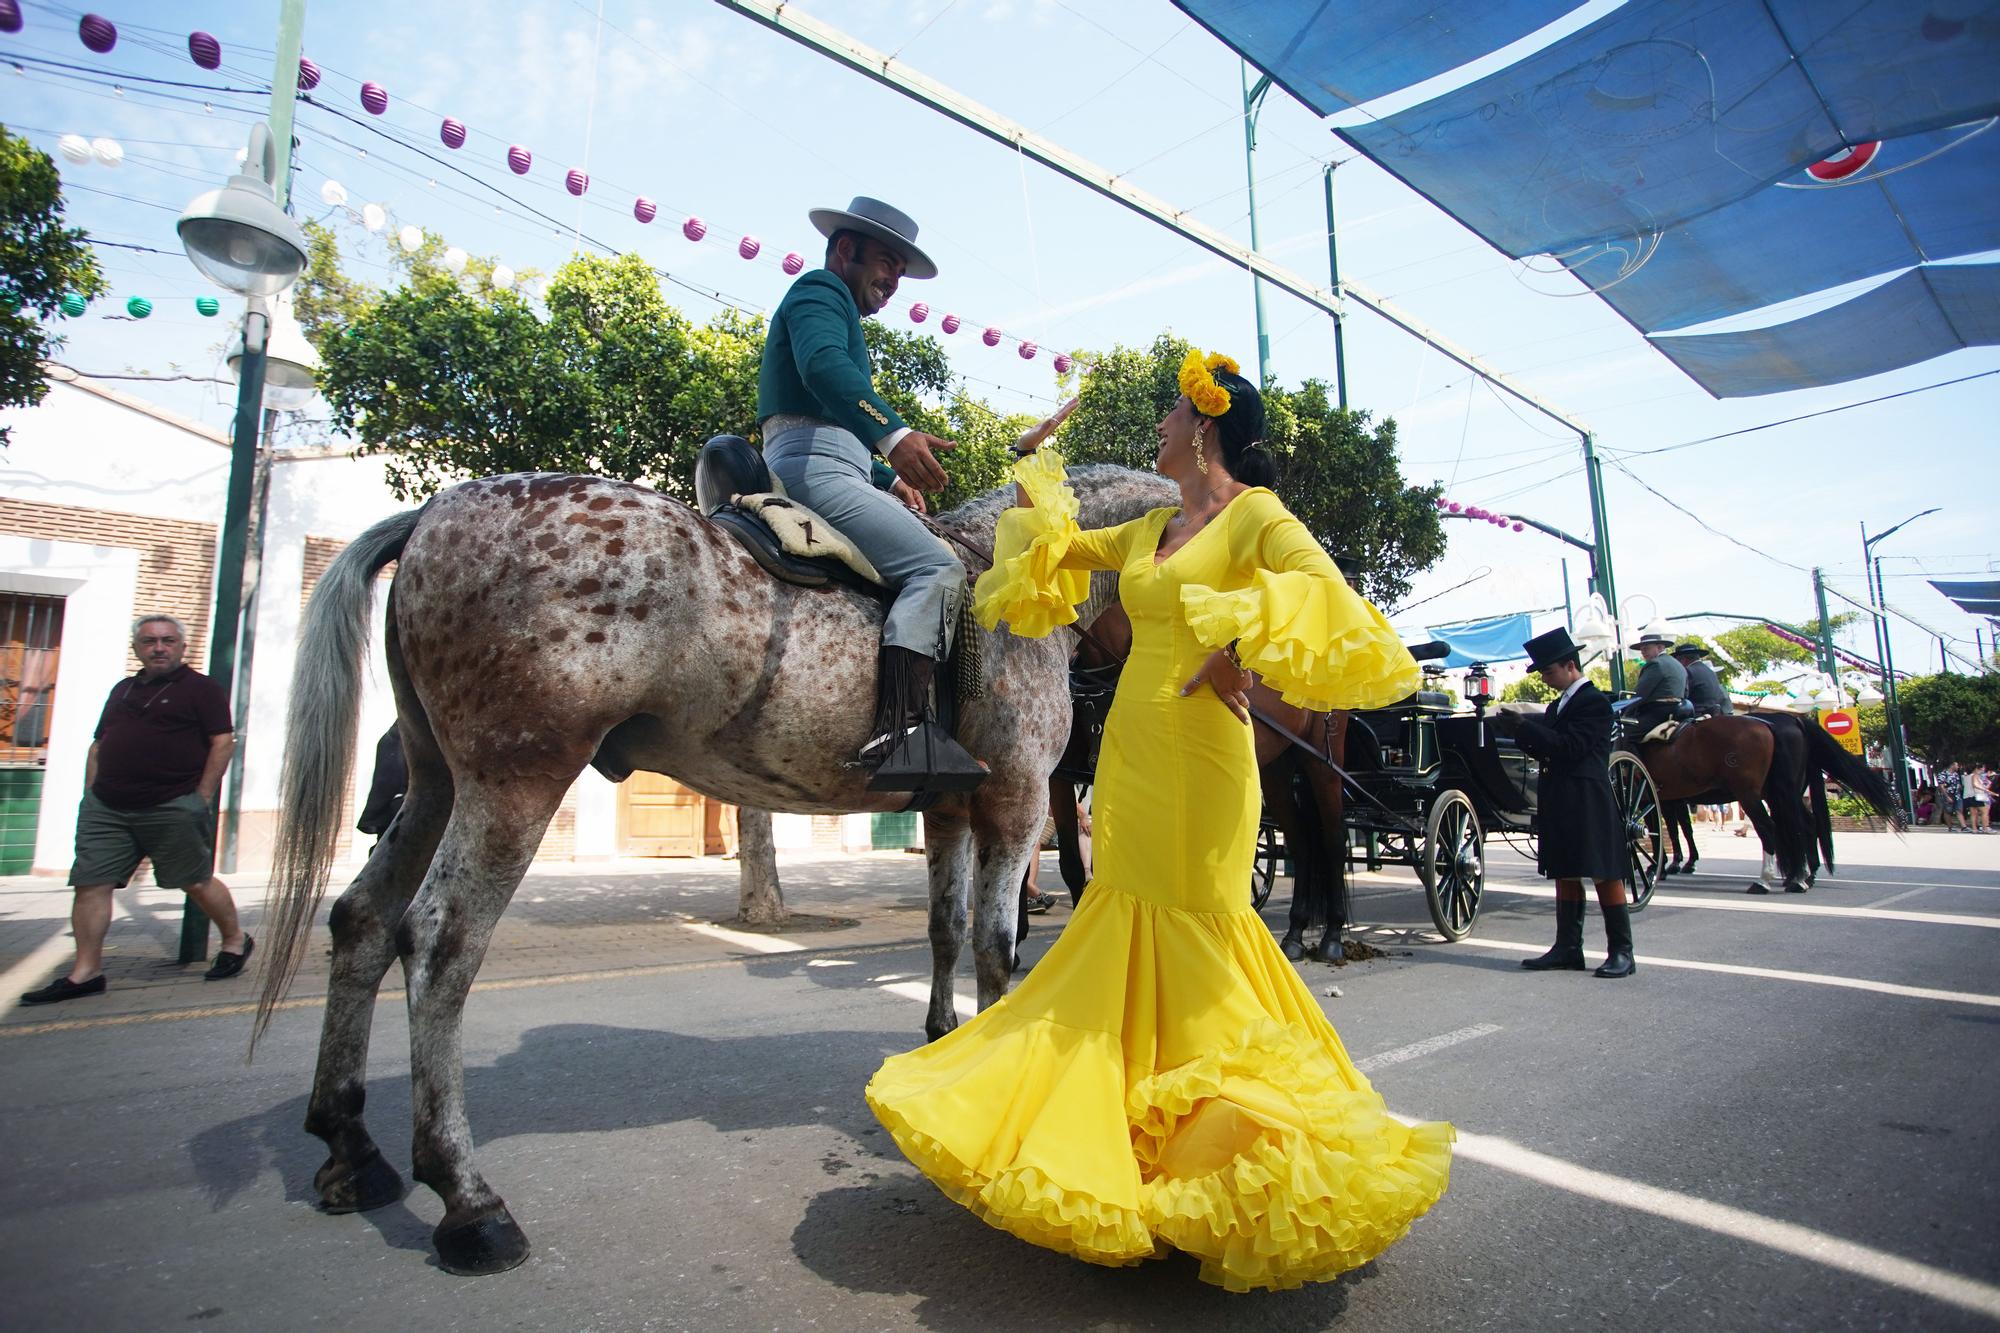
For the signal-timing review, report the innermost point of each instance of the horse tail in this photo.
(1829, 758)
(319, 750)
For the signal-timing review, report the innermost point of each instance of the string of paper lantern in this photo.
(1480, 514)
(100, 35)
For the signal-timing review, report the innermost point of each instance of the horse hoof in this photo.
(487, 1243)
(1795, 887)
(1293, 947)
(357, 1189)
(1670, 868)
(1757, 888)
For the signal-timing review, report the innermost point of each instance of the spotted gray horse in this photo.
(541, 623)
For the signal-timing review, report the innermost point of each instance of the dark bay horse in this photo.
(1302, 795)
(541, 623)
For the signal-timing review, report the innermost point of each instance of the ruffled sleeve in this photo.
(1296, 623)
(1041, 559)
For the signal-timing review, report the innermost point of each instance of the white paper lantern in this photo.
(109, 152)
(503, 277)
(411, 239)
(74, 147)
(333, 192)
(454, 259)
(374, 217)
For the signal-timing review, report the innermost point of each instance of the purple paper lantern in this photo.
(1520, 527)
(308, 75)
(645, 209)
(991, 337)
(1027, 351)
(99, 33)
(452, 132)
(694, 229)
(374, 98)
(919, 313)
(794, 261)
(1441, 502)
(949, 324)
(1453, 507)
(1476, 512)
(519, 160)
(204, 50)
(1062, 363)
(576, 182)
(10, 15)
(749, 246)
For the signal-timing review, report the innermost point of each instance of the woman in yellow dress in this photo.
(1162, 1078)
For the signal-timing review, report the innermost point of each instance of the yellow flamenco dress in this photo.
(1162, 1078)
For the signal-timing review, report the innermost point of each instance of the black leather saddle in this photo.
(729, 466)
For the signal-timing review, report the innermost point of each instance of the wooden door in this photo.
(659, 817)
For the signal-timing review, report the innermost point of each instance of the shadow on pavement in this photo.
(899, 1236)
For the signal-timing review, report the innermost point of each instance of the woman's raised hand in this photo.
(1032, 439)
(1230, 682)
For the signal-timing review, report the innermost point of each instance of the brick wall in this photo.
(176, 558)
(320, 552)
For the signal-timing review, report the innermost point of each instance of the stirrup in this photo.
(926, 758)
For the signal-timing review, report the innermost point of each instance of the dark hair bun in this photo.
(1241, 430)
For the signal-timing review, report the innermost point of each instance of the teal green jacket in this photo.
(816, 362)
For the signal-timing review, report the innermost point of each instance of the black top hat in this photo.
(1546, 649)
(1688, 650)
(891, 226)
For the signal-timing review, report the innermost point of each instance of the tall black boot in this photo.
(1567, 955)
(902, 693)
(907, 750)
(1618, 941)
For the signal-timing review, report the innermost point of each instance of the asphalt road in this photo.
(1807, 1141)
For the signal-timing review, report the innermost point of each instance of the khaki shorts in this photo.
(179, 837)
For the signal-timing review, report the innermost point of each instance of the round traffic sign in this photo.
(1838, 723)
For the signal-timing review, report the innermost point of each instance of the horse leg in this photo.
(1328, 804)
(1673, 865)
(1767, 835)
(1307, 908)
(947, 851)
(488, 842)
(355, 1177)
(1069, 838)
(1006, 829)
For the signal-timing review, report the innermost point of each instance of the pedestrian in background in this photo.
(150, 784)
(1951, 797)
(1979, 799)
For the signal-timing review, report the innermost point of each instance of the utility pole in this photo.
(1253, 102)
(1339, 321)
(1606, 584)
(1826, 658)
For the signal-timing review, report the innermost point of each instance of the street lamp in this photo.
(291, 366)
(239, 237)
(1871, 569)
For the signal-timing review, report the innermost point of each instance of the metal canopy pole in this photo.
(1253, 102)
(1826, 659)
(1333, 276)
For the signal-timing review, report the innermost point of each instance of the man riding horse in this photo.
(836, 446)
(1704, 687)
(1661, 686)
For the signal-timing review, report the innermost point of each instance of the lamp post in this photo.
(239, 237)
(1871, 569)
(1253, 103)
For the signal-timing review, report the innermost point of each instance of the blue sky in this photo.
(707, 113)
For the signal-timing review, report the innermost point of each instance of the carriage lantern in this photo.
(1479, 689)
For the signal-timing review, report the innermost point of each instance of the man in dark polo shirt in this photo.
(149, 791)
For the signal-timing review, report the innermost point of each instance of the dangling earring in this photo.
(1199, 460)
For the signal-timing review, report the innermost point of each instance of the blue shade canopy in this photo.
(1496, 640)
(1924, 313)
(1333, 54)
(1925, 197)
(1980, 597)
(1665, 110)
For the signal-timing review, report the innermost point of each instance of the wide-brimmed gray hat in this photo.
(891, 226)
(1651, 636)
(1693, 650)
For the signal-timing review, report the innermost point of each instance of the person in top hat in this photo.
(1661, 686)
(1578, 832)
(836, 445)
(1704, 687)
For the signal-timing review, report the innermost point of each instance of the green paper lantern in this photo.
(208, 305)
(138, 307)
(73, 304)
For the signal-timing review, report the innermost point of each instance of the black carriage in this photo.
(1428, 785)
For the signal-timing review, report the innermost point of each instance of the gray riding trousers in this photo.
(826, 469)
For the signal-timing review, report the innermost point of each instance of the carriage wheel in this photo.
(1264, 869)
(1639, 814)
(1453, 864)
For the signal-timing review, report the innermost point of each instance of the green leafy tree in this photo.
(1953, 718)
(1529, 689)
(1336, 470)
(1753, 650)
(41, 261)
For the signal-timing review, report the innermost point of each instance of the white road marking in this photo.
(743, 939)
(1777, 907)
(1737, 1223)
(829, 962)
(1899, 897)
(1421, 1048)
(920, 991)
(1774, 974)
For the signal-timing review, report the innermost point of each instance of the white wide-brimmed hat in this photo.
(891, 226)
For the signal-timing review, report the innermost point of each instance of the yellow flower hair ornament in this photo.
(1197, 381)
